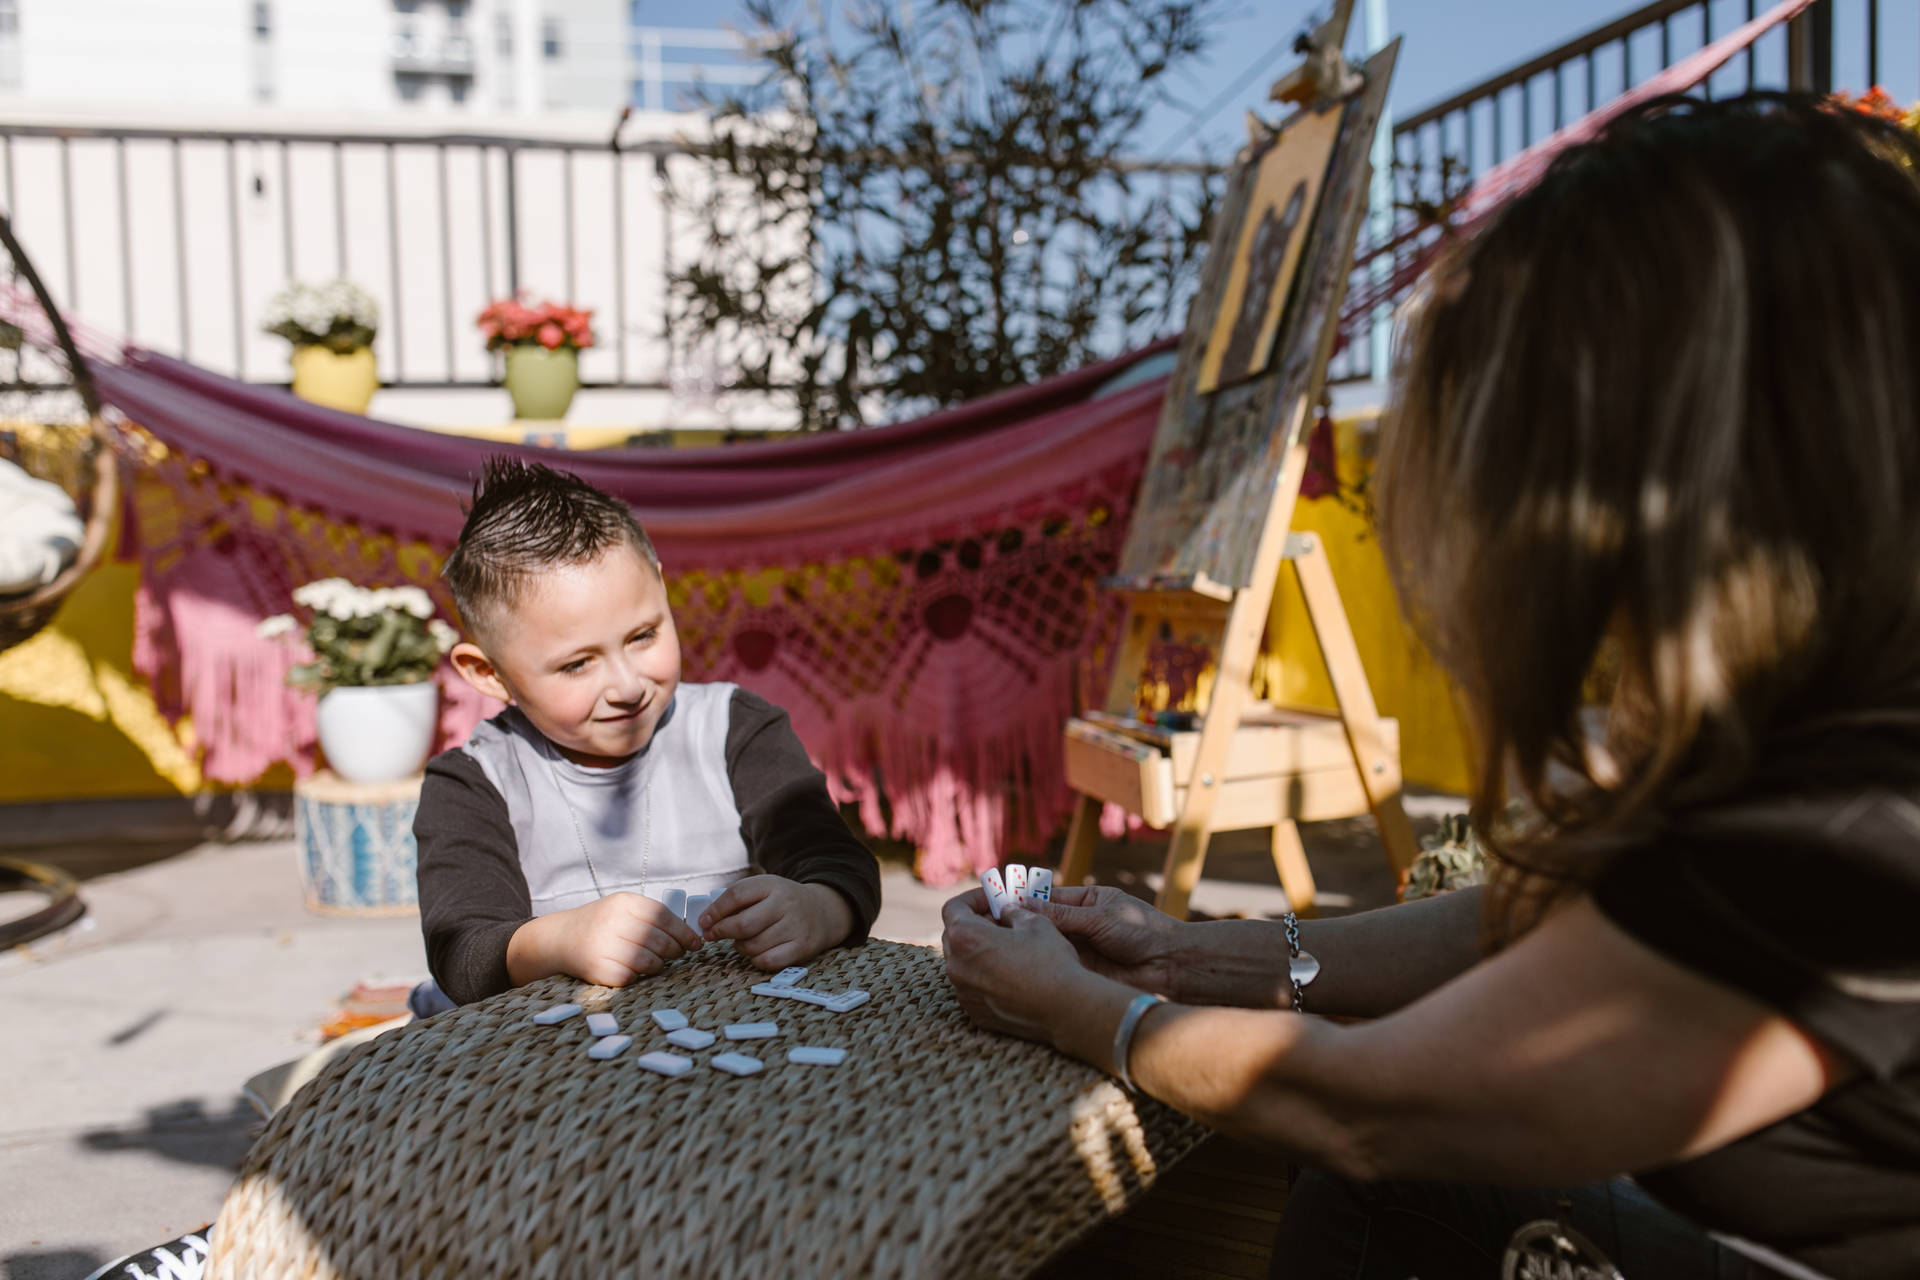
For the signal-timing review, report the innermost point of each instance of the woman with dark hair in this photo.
(1659, 417)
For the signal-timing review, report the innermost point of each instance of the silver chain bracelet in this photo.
(1302, 967)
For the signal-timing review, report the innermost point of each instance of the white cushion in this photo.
(40, 531)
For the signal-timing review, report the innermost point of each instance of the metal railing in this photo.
(177, 239)
(1439, 149)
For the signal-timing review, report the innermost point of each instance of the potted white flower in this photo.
(374, 654)
(331, 327)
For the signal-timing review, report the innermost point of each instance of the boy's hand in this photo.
(776, 922)
(608, 942)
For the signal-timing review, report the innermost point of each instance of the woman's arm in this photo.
(1370, 964)
(1574, 1054)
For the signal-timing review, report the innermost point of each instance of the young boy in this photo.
(548, 841)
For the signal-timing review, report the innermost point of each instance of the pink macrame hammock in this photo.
(923, 599)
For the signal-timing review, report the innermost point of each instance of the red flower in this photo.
(551, 335)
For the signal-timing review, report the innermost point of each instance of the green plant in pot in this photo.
(542, 342)
(374, 654)
(331, 327)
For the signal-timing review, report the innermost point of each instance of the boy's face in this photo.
(589, 655)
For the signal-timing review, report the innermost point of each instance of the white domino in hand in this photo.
(676, 902)
(696, 906)
(603, 1024)
(996, 891)
(1015, 878)
(669, 1019)
(691, 1038)
(610, 1047)
(736, 1064)
(752, 1030)
(667, 1064)
(559, 1013)
(1039, 884)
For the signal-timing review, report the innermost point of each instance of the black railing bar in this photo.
(28, 129)
(1559, 101)
(1526, 114)
(1499, 151)
(446, 261)
(620, 264)
(1666, 42)
(467, 384)
(126, 235)
(649, 146)
(393, 264)
(1706, 38)
(1873, 42)
(1466, 114)
(233, 237)
(286, 206)
(1567, 52)
(180, 252)
(1626, 64)
(66, 214)
(1593, 56)
(513, 221)
(660, 186)
(340, 209)
(566, 196)
(484, 155)
(1753, 54)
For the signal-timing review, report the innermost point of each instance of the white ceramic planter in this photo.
(378, 734)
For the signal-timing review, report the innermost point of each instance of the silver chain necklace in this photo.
(646, 827)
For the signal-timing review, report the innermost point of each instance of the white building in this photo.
(169, 164)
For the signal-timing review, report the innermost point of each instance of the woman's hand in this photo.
(1013, 977)
(1116, 934)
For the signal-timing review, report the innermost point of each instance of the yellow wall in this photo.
(1406, 683)
(77, 723)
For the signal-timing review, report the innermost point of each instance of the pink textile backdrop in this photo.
(923, 598)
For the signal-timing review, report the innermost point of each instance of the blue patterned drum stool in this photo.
(355, 845)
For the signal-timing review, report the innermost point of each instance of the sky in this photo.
(1450, 44)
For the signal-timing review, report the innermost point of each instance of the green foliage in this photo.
(1451, 858)
(362, 637)
(920, 206)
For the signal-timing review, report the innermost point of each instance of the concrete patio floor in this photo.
(129, 1035)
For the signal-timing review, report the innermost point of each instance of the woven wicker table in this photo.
(476, 1143)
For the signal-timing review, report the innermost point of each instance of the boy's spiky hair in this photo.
(525, 518)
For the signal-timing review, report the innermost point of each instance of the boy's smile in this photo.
(589, 655)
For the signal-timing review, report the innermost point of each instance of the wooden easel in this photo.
(1210, 578)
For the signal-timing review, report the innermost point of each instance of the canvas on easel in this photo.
(1209, 533)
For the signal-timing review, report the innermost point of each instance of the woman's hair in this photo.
(1662, 415)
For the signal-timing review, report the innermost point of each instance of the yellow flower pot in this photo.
(324, 376)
